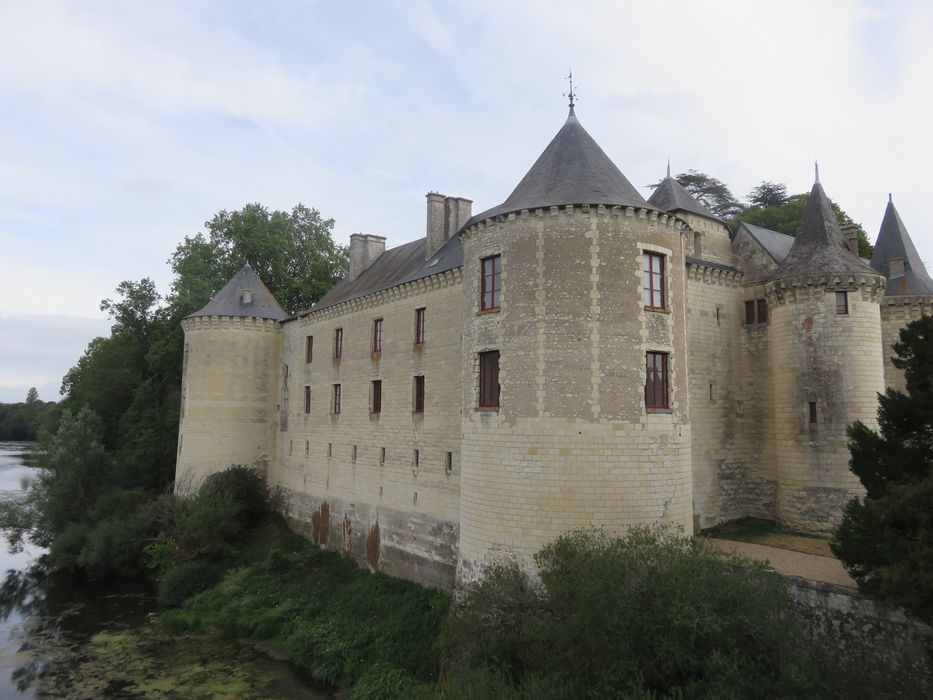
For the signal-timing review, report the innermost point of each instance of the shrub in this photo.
(245, 486)
(648, 614)
(186, 580)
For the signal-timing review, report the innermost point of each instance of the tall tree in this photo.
(768, 194)
(885, 539)
(32, 395)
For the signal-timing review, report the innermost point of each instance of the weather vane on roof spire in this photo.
(571, 94)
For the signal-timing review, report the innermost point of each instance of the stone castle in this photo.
(575, 356)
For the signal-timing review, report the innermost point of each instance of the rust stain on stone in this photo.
(320, 523)
(372, 547)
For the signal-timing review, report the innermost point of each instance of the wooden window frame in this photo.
(419, 325)
(338, 343)
(375, 398)
(842, 309)
(761, 310)
(418, 394)
(309, 349)
(490, 283)
(652, 359)
(377, 335)
(654, 281)
(489, 386)
(335, 399)
(307, 399)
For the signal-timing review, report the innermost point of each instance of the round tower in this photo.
(574, 349)
(230, 381)
(826, 367)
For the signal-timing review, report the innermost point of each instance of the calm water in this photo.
(52, 627)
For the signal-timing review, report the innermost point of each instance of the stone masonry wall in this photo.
(571, 444)
(897, 312)
(228, 396)
(397, 515)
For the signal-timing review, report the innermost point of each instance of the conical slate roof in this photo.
(231, 300)
(671, 196)
(573, 169)
(894, 243)
(819, 247)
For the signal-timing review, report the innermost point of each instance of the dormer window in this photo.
(896, 267)
(246, 296)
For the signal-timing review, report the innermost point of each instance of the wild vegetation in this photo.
(885, 539)
(25, 420)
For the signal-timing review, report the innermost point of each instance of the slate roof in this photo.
(819, 247)
(404, 263)
(229, 300)
(671, 196)
(894, 242)
(573, 169)
(775, 244)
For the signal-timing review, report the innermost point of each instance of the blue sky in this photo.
(126, 125)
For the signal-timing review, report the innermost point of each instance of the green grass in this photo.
(335, 620)
(769, 533)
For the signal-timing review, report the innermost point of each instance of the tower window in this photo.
(491, 283)
(813, 413)
(842, 303)
(353, 454)
(489, 379)
(419, 394)
(756, 311)
(382, 455)
(376, 398)
(309, 348)
(338, 343)
(377, 335)
(653, 281)
(762, 307)
(335, 400)
(307, 399)
(449, 462)
(656, 382)
(419, 325)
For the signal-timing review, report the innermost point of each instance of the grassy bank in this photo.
(376, 635)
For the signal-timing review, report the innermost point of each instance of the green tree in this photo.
(768, 194)
(32, 395)
(885, 539)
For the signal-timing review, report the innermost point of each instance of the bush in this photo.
(649, 614)
(186, 580)
(245, 486)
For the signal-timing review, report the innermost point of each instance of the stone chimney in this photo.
(445, 217)
(364, 249)
(850, 236)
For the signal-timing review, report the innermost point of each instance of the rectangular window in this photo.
(338, 342)
(449, 462)
(419, 394)
(491, 287)
(335, 400)
(489, 379)
(376, 400)
(842, 303)
(309, 348)
(653, 281)
(762, 311)
(419, 325)
(756, 311)
(813, 413)
(382, 455)
(307, 399)
(749, 313)
(377, 335)
(330, 449)
(417, 458)
(353, 454)
(656, 389)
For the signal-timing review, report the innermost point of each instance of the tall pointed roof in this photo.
(232, 301)
(573, 169)
(671, 196)
(894, 243)
(819, 247)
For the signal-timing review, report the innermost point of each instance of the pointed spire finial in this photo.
(890, 198)
(571, 95)
(816, 168)
(668, 168)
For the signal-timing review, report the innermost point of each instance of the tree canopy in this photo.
(768, 194)
(885, 539)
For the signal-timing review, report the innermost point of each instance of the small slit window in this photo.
(338, 343)
(307, 399)
(375, 403)
(377, 335)
(309, 348)
(418, 402)
(335, 400)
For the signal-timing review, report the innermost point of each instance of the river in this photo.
(64, 637)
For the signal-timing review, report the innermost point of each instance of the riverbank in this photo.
(375, 635)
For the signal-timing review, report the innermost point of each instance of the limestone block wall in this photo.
(897, 312)
(571, 443)
(712, 237)
(834, 362)
(228, 406)
(396, 511)
(728, 399)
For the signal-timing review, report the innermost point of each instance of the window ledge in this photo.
(658, 309)
(486, 409)
(650, 411)
(483, 312)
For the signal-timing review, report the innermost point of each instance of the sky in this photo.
(126, 125)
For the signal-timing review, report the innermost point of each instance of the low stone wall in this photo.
(868, 639)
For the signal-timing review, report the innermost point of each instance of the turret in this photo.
(230, 381)
(575, 406)
(826, 367)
